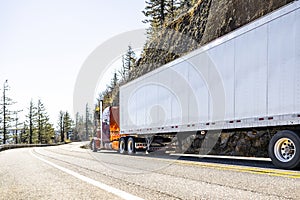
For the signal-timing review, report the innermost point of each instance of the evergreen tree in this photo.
(31, 119)
(76, 128)
(122, 71)
(114, 81)
(80, 127)
(42, 120)
(129, 59)
(44, 128)
(87, 122)
(38, 128)
(61, 126)
(115, 90)
(50, 132)
(5, 112)
(24, 134)
(171, 8)
(128, 64)
(67, 123)
(185, 5)
(17, 124)
(156, 12)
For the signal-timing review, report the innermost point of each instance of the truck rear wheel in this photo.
(122, 146)
(284, 149)
(131, 145)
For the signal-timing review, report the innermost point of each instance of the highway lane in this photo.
(69, 172)
(22, 176)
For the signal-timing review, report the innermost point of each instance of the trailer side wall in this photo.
(248, 78)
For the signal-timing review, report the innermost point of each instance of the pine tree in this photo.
(44, 128)
(80, 127)
(115, 90)
(67, 121)
(129, 59)
(61, 126)
(155, 11)
(185, 5)
(128, 65)
(5, 112)
(76, 128)
(87, 122)
(23, 134)
(31, 119)
(114, 81)
(122, 71)
(172, 7)
(50, 132)
(17, 124)
(42, 119)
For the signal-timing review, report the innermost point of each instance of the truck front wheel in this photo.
(284, 149)
(122, 146)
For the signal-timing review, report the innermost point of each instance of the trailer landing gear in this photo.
(284, 149)
(149, 140)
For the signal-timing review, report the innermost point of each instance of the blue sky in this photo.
(43, 44)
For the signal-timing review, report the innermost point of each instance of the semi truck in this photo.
(246, 80)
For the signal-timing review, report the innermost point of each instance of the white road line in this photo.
(117, 192)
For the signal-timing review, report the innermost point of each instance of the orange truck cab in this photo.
(110, 133)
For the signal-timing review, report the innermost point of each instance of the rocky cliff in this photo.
(206, 21)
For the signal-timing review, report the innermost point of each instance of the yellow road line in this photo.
(252, 170)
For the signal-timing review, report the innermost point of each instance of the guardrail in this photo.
(14, 146)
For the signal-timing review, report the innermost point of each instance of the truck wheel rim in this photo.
(285, 150)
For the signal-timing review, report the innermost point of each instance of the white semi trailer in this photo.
(248, 79)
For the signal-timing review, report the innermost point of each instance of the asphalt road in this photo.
(70, 172)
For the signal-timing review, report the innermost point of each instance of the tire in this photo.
(122, 146)
(284, 149)
(131, 145)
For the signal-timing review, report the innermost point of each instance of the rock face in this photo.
(244, 143)
(227, 15)
(206, 21)
(175, 39)
(251, 143)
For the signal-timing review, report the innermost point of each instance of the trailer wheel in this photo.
(284, 149)
(131, 145)
(122, 146)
